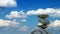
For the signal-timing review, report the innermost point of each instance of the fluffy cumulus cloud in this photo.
(14, 23)
(16, 14)
(50, 11)
(54, 27)
(56, 23)
(4, 22)
(8, 3)
(8, 23)
(31, 12)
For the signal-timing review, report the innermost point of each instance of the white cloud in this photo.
(50, 11)
(42, 11)
(15, 14)
(23, 20)
(56, 23)
(54, 27)
(4, 22)
(8, 3)
(8, 23)
(23, 28)
(14, 23)
(30, 12)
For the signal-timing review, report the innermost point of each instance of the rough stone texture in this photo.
(41, 31)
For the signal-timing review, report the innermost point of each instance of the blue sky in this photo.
(20, 16)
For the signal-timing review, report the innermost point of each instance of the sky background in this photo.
(20, 16)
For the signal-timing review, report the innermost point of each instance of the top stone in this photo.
(43, 16)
